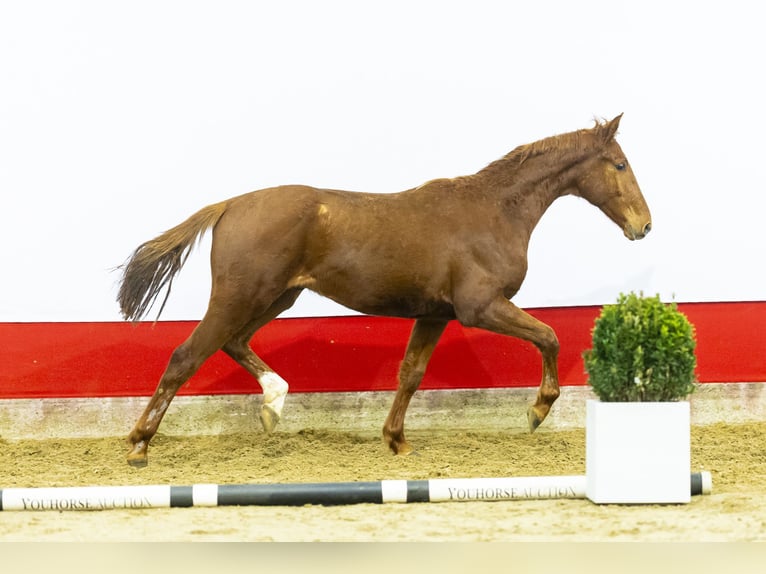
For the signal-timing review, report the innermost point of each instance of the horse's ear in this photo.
(609, 129)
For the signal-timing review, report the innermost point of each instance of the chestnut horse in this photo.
(449, 249)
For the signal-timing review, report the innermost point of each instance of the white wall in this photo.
(118, 120)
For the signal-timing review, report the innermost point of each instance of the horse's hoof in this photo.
(269, 418)
(534, 419)
(404, 449)
(137, 457)
(138, 460)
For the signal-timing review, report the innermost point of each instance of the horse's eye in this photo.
(620, 166)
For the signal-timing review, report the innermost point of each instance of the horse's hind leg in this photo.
(425, 335)
(238, 348)
(211, 333)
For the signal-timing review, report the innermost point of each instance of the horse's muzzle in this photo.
(634, 234)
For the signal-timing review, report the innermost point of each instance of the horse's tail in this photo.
(154, 264)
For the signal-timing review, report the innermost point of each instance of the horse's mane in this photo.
(571, 144)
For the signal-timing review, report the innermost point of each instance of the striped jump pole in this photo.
(299, 494)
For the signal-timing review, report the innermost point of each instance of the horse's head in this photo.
(607, 181)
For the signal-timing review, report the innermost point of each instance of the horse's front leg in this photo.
(502, 316)
(549, 386)
(425, 334)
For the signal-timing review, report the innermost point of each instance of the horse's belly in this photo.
(409, 309)
(410, 302)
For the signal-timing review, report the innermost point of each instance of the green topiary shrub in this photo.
(643, 350)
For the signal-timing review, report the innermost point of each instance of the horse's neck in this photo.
(526, 189)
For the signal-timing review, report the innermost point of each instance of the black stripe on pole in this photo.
(181, 496)
(418, 491)
(325, 494)
(696, 483)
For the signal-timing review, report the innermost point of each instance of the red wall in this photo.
(343, 354)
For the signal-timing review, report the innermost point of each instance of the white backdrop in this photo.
(120, 119)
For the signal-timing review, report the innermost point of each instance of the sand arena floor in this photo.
(735, 454)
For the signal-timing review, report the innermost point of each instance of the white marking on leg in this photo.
(274, 391)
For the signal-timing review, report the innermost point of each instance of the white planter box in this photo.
(638, 453)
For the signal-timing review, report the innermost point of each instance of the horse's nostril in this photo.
(647, 228)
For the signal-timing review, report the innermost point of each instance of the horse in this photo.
(449, 249)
